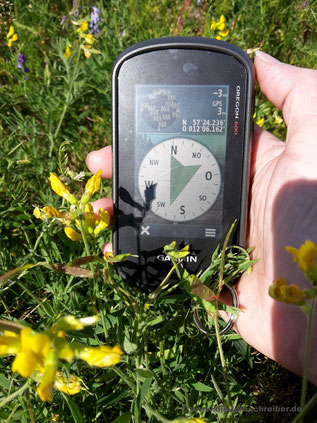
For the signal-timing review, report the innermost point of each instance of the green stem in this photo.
(67, 100)
(222, 357)
(27, 394)
(219, 392)
(162, 285)
(96, 293)
(124, 295)
(155, 413)
(14, 395)
(124, 378)
(162, 358)
(307, 350)
(308, 407)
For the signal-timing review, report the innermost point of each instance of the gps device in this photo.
(182, 127)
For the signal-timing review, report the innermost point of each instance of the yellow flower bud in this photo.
(68, 52)
(72, 234)
(11, 36)
(11, 31)
(305, 256)
(92, 186)
(290, 294)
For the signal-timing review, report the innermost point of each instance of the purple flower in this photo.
(94, 19)
(21, 63)
(78, 10)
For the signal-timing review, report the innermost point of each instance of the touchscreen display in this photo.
(180, 149)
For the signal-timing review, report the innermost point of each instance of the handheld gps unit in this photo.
(182, 127)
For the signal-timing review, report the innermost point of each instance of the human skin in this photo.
(282, 212)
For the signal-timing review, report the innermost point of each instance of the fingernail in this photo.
(89, 156)
(266, 57)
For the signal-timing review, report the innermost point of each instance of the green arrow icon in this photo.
(180, 176)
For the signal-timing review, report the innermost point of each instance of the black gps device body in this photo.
(182, 127)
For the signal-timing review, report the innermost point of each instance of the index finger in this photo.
(100, 159)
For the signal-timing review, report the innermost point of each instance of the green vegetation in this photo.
(54, 109)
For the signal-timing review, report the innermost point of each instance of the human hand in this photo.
(283, 209)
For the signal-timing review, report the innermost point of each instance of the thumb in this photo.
(294, 91)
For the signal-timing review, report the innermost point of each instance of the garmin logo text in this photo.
(187, 259)
(237, 102)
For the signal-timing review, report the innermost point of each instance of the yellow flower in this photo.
(9, 343)
(290, 294)
(61, 189)
(31, 351)
(92, 186)
(83, 27)
(108, 254)
(220, 28)
(65, 351)
(68, 52)
(102, 221)
(89, 38)
(277, 119)
(72, 234)
(92, 225)
(103, 356)
(223, 33)
(37, 213)
(70, 323)
(90, 218)
(69, 386)
(11, 36)
(47, 212)
(86, 49)
(305, 256)
(260, 122)
(45, 389)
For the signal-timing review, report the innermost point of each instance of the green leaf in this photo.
(112, 398)
(4, 382)
(145, 373)
(145, 388)
(128, 346)
(244, 350)
(180, 396)
(124, 418)
(201, 387)
(118, 258)
(77, 416)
